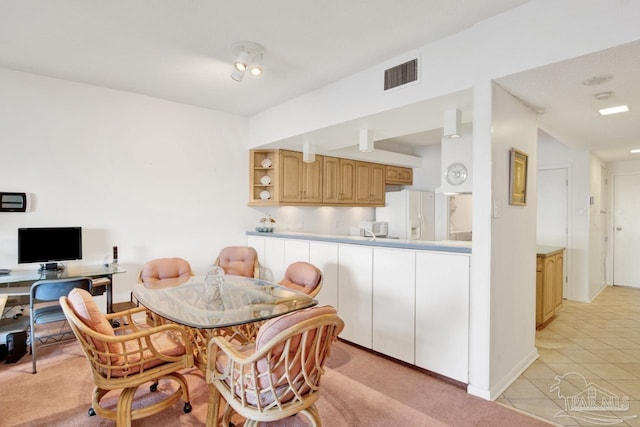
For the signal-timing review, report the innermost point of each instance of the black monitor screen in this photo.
(49, 244)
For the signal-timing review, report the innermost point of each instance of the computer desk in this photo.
(18, 282)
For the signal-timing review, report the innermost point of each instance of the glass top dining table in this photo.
(236, 301)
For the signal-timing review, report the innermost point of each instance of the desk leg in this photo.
(110, 295)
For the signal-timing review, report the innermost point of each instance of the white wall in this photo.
(315, 219)
(153, 177)
(513, 245)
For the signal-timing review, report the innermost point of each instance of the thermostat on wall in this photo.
(13, 202)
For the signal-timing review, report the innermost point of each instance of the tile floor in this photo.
(588, 372)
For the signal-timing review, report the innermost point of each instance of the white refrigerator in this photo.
(410, 214)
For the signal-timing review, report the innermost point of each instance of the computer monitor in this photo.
(48, 245)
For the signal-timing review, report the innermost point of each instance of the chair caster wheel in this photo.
(92, 412)
(153, 387)
(187, 408)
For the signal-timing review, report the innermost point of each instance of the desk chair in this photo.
(239, 261)
(280, 377)
(126, 357)
(44, 308)
(303, 277)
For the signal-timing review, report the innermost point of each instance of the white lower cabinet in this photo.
(294, 251)
(355, 288)
(412, 305)
(394, 302)
(442, 314)
(325, 257)
(274, 259)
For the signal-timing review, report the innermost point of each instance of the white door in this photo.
(626, 230)
(553, 201)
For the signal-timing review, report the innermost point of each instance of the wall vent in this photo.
(401, 74)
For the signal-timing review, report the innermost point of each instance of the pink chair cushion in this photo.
(273, 327)
(165, 272)
(238, 260)
(88, 312)
(302, 276)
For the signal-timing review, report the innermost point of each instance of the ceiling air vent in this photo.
(401, 74)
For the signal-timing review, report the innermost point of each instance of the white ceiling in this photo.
(182, 51)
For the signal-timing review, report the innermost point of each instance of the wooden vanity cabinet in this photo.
(549, 283)
(339, 175)
(370, 184)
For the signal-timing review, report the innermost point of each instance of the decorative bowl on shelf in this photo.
(264, 229)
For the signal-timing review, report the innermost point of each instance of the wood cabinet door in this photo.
(346, 181)
(548, 304)
(558, 282)
(363, 179)
(398, 175)
(290, 176)
(312, 181)
(377, 184)
(331, 178)
(539, 282)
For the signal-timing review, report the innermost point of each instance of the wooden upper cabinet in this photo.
(370, 184)
(398, 175)
(300, 182)
(281, 177)
(338, 179)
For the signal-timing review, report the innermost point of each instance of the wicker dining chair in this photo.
(280, 375)
(126, 357)
(239, 261)
(304, 277)
(165, 272)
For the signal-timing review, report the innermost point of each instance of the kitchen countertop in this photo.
(548, 250)
(425, 245)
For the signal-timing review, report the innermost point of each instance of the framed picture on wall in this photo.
(518, 178)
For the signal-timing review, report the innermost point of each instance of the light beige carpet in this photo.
(60, 395)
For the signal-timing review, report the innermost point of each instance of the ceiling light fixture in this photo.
(451, 123)
(366, 141)
(635, 151)
(249, 56)
(308, 153)
(613, 110)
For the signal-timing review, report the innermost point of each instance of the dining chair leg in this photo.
(214, 406)
(123, 410)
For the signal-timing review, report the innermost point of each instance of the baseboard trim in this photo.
(494, 392)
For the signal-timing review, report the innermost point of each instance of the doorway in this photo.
(553, 209)
(626, 230)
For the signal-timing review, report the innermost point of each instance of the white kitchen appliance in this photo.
(378, 228)
(410, 214)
